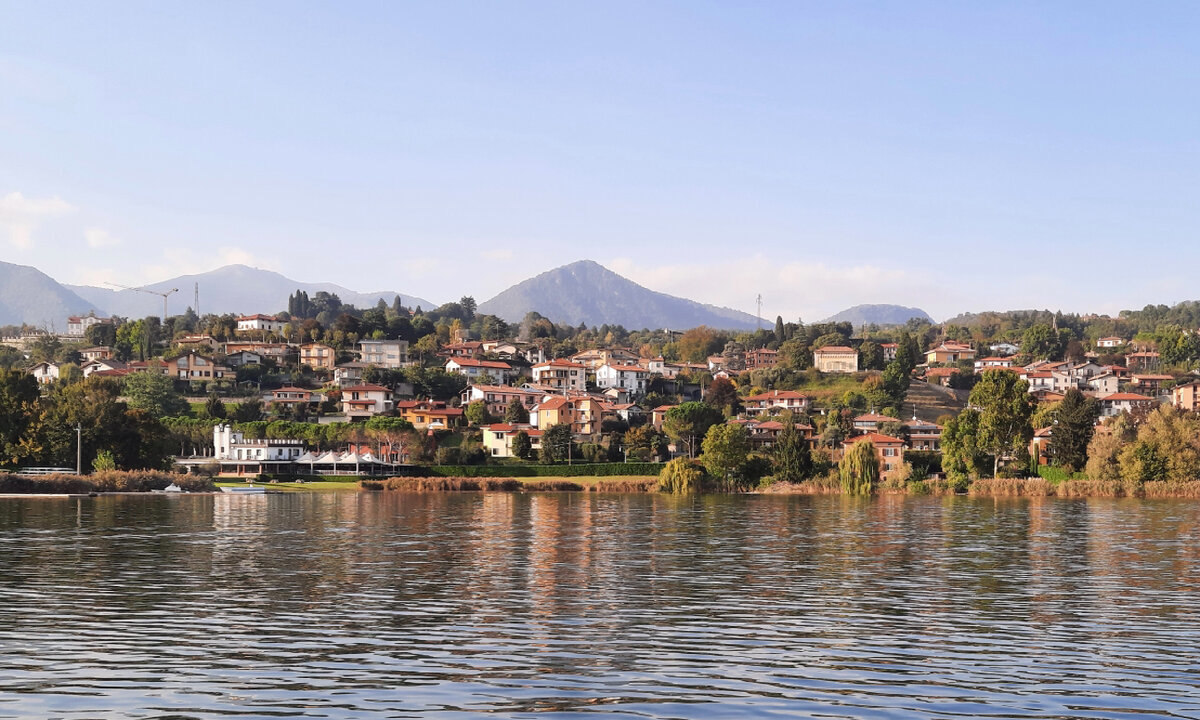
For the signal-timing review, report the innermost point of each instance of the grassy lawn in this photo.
(320, 485)
(831, 386)
(584, 479)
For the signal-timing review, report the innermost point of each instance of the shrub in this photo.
(681, 476)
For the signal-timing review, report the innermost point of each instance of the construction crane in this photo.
(163, 295)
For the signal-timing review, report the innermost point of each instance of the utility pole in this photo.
(79, 448)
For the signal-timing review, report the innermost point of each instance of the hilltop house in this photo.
(836, 359)
(259, 323)
(77, 326)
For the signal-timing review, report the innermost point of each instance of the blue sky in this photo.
(953, 156)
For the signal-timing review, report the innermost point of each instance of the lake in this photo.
(580, 605)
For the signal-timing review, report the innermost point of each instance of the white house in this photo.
(836, 359)
(1118, 403)
(775, 401)
(391, 354)
(238, 455)
(45, 372)
(259, 323)
(1110, 342)
(477, 369)
(498, 397)
(623, 377)
(77, 325)
(1005, 348)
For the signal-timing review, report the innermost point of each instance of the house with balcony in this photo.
(498, 439)
(1118, 403)
(949, 353)
(632, 378)
(775, 401)
(45, 372)
(364, 401)
(561, 375)
(429, 414)
(293, 396)
(761, 359)
(923, 435)
(390, 354)
(584, 414)
(498, 397)
(1186, 396)
(481, 370)
(318, 356)
(101, 352)
(194, 367)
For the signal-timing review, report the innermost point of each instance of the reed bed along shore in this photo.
(1039, 487)
(100, 482)
(477, 484)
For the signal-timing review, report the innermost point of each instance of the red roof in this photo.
(1124, 397)
(366, 388)
(876, 439)
(875, 417)
(561, 363)
(471, 362)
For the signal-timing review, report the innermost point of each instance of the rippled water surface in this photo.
(391, 606)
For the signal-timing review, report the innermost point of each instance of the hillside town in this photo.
(450, 387)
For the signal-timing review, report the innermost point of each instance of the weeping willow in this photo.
(859, 469)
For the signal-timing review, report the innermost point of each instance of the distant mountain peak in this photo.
(587, 292)
(879, 314)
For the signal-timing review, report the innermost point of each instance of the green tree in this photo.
(1075, 424)
(558, 444)
(104, 461)
(522, 446)
(250, 410)
(155, 393)
(680, 477)
(1167, 448)
(1042, 342)
(515, 413)
(961, 457)
(725, 449)
(19, 395)
(214, 408)
(859, 469)
(645, 443)
(477, 413)
(1104, 451)
(780, 331)
(790, 451)
(1005, 408)
(870, 356)
(688, 423)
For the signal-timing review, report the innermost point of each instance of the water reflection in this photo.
(386, 605)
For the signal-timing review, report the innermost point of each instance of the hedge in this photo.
(575, 470)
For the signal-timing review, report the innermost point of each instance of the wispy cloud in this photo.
(98, 238)
(20, 215)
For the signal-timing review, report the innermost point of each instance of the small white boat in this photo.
(245, 490)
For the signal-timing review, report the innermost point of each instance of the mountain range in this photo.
(587, 292)
(229, 289)
(582, 292)
(28, 295)
(879, 315)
